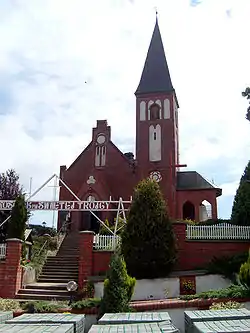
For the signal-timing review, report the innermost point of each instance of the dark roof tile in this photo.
(155, 77)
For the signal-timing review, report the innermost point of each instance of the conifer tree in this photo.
(19, 216)
(241, 206)
(148, 240)
(118, 287)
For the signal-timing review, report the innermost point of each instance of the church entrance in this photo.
(89, 222)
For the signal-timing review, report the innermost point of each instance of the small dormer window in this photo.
(154, 112)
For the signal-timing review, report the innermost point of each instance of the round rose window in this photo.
(155, 175)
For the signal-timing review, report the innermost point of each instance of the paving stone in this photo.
(213, 315)
(5, 316)
(134, 317)
(163, 327)
(51, 318)
(36, 328)
(223, 326)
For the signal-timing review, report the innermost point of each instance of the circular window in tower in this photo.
(101, 139)
(156, 176)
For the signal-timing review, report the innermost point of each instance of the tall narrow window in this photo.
(155, 143)
(103, 155)
(97, 156)
(142, 111)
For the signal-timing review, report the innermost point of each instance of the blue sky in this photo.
(50, 48)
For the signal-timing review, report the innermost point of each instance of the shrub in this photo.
(118, 287)
(233, 291)
(43, 306)
(148, 241)
(86, 303)
(226, 305)
(228, 266)
(19, 216)
(244, 275)
(9, 305)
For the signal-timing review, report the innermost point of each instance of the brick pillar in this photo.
(214, 208)
(13, 269)
(85, 256)
(180, 234)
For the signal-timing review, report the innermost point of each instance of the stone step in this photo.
(43, 291)
(51, 269)
(54, 280)
(60, 273)
(59, 276)
(63, 258)
(41, 297)
(47, 286)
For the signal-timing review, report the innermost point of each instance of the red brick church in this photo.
(102, 171)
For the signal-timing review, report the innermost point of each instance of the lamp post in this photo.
(71, 287)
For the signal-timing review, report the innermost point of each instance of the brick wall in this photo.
(192, 254)
(11, 270)
(195, 253)
(101, 261)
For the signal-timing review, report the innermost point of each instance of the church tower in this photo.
(157, 146)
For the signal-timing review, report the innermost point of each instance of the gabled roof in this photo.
(155, 77)
(192, 180)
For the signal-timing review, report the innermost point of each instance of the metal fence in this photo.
(217, 232)
(106, 242)
(2, 251)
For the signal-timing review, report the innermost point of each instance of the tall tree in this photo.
(246, 94)
(241, 206)
(148, 240)
(10, 189)
(19, 216)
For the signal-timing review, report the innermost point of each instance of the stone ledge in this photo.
(14, 240)
(201, 304)
(87, 232)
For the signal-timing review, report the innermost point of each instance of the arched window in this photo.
(205, 211)
(188, 211)
(154, 112)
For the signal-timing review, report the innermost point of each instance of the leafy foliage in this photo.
(246, 94)
(118, 287)
(39, 251)
(241, 206)
(10, 189)
(105, 231)
(43, 306)
(244, 275)
(225, 305)
(148, 240)
(9, 305)
(233, 291)
(19, 216)
(228, 266)
(86, 303)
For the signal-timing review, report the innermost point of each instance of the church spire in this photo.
(155, 77)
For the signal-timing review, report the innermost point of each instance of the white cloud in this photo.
(49, 49)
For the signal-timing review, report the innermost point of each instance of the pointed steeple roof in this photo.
(155, 77)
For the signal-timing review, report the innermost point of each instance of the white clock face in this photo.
(101, 139)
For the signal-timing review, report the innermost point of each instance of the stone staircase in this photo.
(56, 273)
